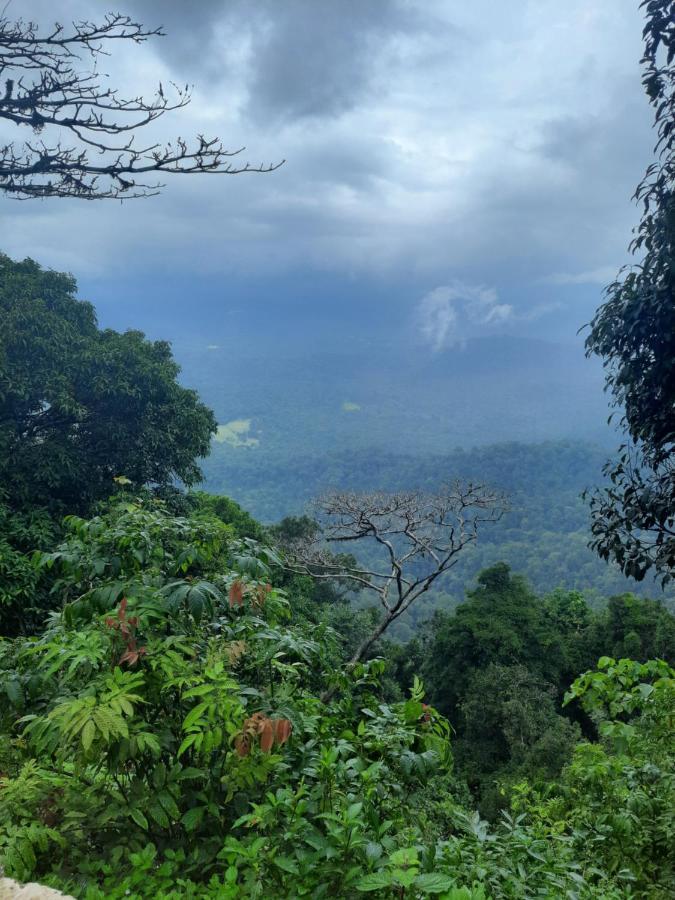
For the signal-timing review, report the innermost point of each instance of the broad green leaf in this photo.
(434, 883)
(377, 881)
(194, 715)
(88, 734)
(287, 864)
(139, 818)
(192, 818)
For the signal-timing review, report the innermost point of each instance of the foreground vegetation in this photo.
(163, 735)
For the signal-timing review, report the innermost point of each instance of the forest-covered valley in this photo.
(387, 614)
(544, 534)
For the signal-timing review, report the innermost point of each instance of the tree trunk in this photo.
(361, 651)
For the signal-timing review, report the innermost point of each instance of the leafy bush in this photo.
(163, 736)
(168, 712)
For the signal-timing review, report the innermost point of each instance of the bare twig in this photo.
(44, 88)
(420, 537)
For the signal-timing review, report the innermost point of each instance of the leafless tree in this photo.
(84, 133)
(419, 536)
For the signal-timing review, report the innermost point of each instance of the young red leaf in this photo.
(236, 594)
(242, 744)
(282, 730)
(130, 656)
(266, 736)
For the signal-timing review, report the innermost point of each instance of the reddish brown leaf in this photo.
(266, 736)
(282, 730)
(256, 722)
(242, 744)
(130, 656)
(122, 611)
(236, 594)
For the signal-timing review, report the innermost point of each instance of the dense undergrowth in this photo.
(163, 736)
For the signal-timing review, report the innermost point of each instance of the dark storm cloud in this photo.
(191, 43)
(318, 60)
(496, 145)
(303, 58)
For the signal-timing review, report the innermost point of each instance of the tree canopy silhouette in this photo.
(633, 518)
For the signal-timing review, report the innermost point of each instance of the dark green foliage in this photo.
(634, 332)
(501, 622)
(80, 406)
(510, 730)
(163, 736)
(500, 665)
(637, 628)
(23, 597)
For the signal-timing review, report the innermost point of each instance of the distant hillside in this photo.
(543, 536)
(527, 416)
(402, 399)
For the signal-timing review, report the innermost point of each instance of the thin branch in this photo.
(420, 536)
(45, 90)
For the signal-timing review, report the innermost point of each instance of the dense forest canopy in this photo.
(80, 406)
(198, 699)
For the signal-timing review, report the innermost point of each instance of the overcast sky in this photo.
(452, 167)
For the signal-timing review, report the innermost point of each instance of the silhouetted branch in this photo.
(44, 89)
(420, 536)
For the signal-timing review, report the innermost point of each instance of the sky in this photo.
(451, 170)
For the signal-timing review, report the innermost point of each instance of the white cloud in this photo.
(539, 310)
(602, 275)
(447, 314)
(437, 318)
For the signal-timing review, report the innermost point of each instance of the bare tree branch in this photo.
(420, 537)
(47, 90)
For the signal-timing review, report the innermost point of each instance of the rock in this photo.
(12, 890)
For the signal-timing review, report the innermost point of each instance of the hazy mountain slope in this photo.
(403, 399)
(526, 416)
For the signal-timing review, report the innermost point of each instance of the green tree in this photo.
(510, 730)
(229, 512)
(501, 622)
(633, 518)
(634, 627)
(80, 406)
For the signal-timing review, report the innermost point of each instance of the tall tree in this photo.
(83, 132)
(413, 539)
(633, 518)
(80, 406)
(501, 623)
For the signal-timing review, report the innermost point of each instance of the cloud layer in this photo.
(451, 313)
(435, 140)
